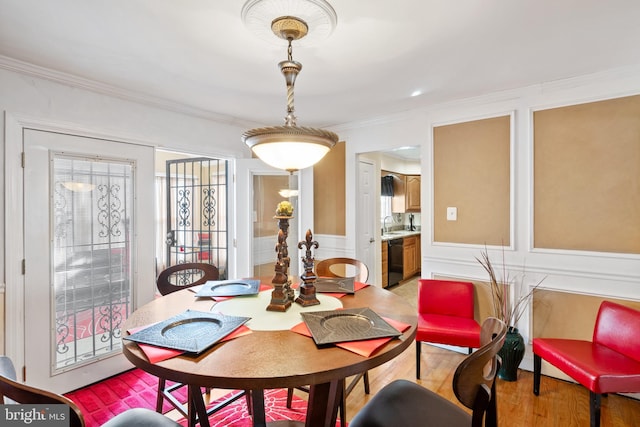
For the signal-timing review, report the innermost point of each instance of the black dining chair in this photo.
(405, 403)
(14, 392)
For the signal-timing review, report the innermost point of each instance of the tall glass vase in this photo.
(511, 353)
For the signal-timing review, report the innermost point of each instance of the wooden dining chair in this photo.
(172, 279)
(341, 267)
(405, 403)
(13, 392)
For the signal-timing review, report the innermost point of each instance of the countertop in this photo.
(398, 234)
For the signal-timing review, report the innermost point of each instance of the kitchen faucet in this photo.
(384, 224)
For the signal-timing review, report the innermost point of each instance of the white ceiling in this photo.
(198, 54)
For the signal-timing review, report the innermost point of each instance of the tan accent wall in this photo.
(265, 201)
(587, 176)
(472, 173)
(329, 193)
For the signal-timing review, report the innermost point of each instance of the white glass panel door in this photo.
(88, 254)
(367, 220)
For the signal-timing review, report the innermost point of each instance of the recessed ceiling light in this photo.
(417, 92)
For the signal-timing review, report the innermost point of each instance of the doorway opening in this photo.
(191, 220)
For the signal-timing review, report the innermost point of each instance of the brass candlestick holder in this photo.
(307, 294)
(282, 294)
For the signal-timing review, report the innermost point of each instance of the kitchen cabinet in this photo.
(385, 264)
(410, 259)
(406, 194)
(412, 191)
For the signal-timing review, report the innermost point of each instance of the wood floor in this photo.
(560, 403)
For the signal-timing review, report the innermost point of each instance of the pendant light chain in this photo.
(290, 147)
(290, 119)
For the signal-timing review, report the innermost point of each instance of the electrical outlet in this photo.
(452, 214)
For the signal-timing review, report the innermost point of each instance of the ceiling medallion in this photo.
(257, 16)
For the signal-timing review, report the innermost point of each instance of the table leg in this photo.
(324, 399)
(257, 408)
(191, 410)
(196, 402)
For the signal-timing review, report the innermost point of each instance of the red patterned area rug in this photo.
(275, 407)
(102, 401)
(137, 389)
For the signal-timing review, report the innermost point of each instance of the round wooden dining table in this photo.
(271, 359)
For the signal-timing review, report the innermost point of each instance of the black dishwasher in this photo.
(395, 261)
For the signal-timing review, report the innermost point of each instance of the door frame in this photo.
(243, 202)
(15, 326)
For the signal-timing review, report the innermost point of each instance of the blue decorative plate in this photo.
(351, 324)
(345, 285)
(229, 288)
(191, 331)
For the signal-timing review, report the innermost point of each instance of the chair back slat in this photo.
(186, 275)
(339, 267)
(477, 372)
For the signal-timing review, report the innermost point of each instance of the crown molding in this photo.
(22, 67)
(509, 95)
(502, 96)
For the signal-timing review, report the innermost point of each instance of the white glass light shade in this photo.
(290, 156)
(288, 193)
(290, 147)
(79, 187)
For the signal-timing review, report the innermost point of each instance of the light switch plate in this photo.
(452, 214)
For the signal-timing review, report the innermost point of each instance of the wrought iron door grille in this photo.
(92, 275)
(197, 212)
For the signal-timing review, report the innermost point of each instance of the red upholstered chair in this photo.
(445, 315)
(610, 363)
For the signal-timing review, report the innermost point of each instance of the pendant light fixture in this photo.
(290, 147)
